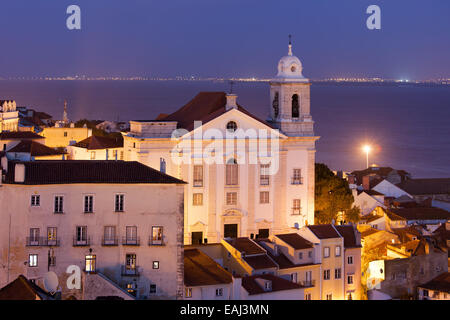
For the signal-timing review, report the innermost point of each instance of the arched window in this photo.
(295, 106)
(275, 105)
(231, 172)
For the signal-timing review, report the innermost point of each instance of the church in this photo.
(236, 197)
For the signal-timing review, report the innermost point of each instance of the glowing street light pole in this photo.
(367, 149)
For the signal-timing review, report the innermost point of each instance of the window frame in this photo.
(58, 204)
(119, 202)
(35, 262)
(88, 206)
(35, 200)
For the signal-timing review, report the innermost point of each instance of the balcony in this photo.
(110, 241)
(81, 242)
(41, 242)
(296, 211)
(308, 283)
(131, 241)
(198, 183)
(128, 271)
(264, 181)
(296, 180)
(154, 242)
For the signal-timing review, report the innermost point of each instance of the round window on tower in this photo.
(231, 126)
(293, 68)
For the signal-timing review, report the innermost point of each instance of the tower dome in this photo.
(290, 67)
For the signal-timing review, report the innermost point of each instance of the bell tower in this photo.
(289, 109)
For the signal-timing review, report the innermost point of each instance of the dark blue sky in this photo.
(225, 38)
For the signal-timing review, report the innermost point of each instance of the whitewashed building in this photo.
(107, 217)
(235, 197)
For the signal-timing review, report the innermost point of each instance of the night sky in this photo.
(225, 38)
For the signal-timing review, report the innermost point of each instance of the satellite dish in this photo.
(51, 282)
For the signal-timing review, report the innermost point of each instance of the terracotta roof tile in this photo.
(259, 262)
(349, 234)
(420, 213)
(324, 231)
(245, 245)
(35, 149)
(426, 186)
(15, 135)
(23, 289)
(97, 142)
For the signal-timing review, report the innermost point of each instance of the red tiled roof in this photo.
(295, 241)
(348, 232)
(204, 107)
(97, 142)
(88, 171)
(261, 261)
(278, 284)
(201, 270)
(15, 135)
(35, 149)
(426, 186)
(22, 289)
(245, 245)
(381, 171)
(324, 231)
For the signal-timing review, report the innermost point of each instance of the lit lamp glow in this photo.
(367, 149)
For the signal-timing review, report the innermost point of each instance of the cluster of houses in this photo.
(405, 233)
(140, 225)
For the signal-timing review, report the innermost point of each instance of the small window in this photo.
(33, 260)
(231, 198)
(90, 263)
(231, 126)
(297, 177)
(152, 288)
(350, 279)
(300, 255)
(309, 254)
(88, 204)
(232, 172)
(264, 197)
(296, 207)
(326, 252)
(157, 236)
(337, 273)
(198, 176)
(35, 200)
(337, 250)
(155, 264)
(197, 199)
(65, 133)
(92, 155)
(329, 296)
(219, 292)
(350, 260)
(119, 203)
(264, 177)
(188, 292)
(59, 204)
(308, 296)
(326, 274)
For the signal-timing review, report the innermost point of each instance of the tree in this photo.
(332, 197)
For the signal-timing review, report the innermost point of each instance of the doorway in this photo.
(197, 237)
(230, 231)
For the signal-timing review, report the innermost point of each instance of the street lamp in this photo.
(367, 149)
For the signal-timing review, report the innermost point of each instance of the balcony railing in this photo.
(81, 242)
(264, 181)
(308, 283)
(154, 242)
(41, 242)
(110, 241)
(297, 180)
(131, 241)
(128, 271)
(296, 211)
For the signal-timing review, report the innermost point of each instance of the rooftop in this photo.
(295, 241)
(324, 231)
(426, 186)
(259, 262)
(418, 213)
(349, 234)
(97, 142)
(201, 270)
(245, 245)
(35, 149)
(278, 284)
(23, 289)
(440, 283)
(15, 135)
(87, 171)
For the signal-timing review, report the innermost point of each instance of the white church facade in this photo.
(229, 194)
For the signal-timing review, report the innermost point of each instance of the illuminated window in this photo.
(188, 292)
(157, 236)
(33, 260)
(155, 264)
(90, 263)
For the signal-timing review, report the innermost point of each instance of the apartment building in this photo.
(107, 217)
(97, 148)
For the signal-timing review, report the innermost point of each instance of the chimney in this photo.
(19, 173)
(366, 182)
(231, 101)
